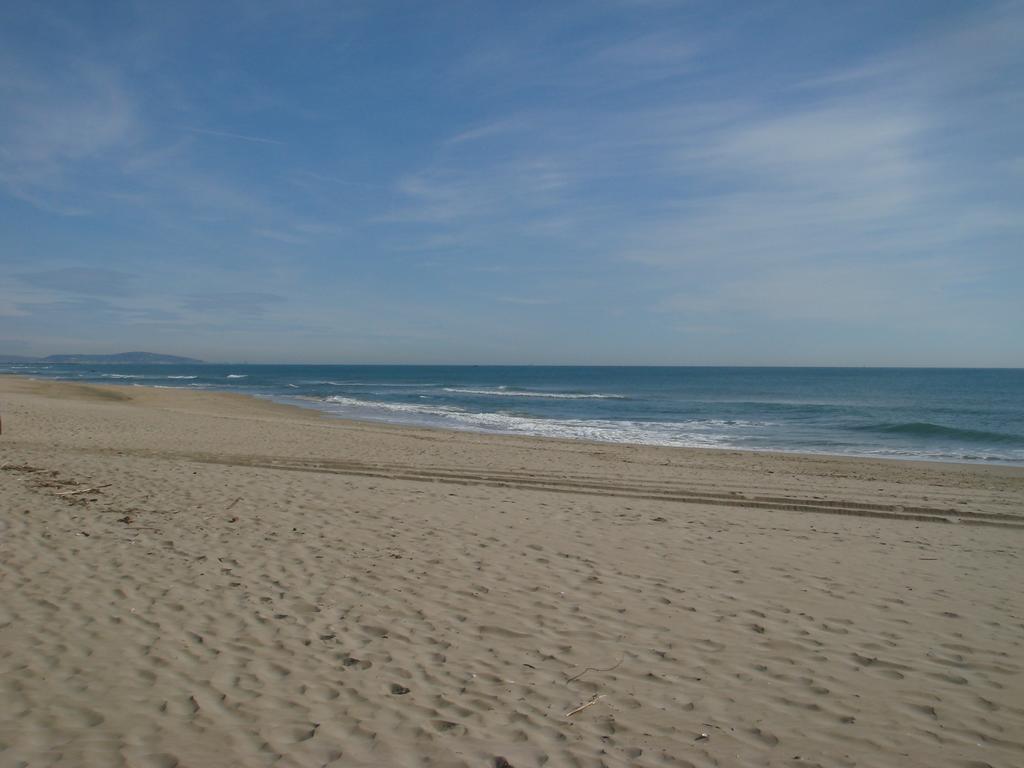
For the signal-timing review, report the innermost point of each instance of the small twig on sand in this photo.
(82, 490)
(590, 703)
(233, 503)
(597, 669)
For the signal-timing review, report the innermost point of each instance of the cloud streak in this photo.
(58, 127)
(234, 302)
(238, 136)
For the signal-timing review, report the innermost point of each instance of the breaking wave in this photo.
(924, 429)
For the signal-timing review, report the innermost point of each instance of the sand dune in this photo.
(196, 579)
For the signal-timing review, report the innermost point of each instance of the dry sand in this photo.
(208, 580)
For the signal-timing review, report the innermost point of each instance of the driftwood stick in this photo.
(82, 490)
(580, 708)
(233, 503)
(597, 669)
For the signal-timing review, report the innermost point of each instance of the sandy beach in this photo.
(202, 579)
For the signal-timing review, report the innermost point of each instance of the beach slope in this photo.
(202, 579)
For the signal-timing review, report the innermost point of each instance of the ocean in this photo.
(972, 415)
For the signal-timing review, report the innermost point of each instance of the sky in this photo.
(604, 182)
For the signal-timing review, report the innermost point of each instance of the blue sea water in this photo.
(937, 414)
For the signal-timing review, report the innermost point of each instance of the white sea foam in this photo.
(237, 376)
(429, 410)
(503, 392)
(120, 376)
(694, 433)
(682, 434)
(182, 377)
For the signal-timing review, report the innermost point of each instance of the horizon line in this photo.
(197, 361)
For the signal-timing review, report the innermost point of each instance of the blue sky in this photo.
(632, 181)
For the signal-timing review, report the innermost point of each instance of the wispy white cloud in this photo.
(862, 172)
(526, 301)
(58, 126)
(910, 292)
(281, 237)
(329, 179)
(239, 136)
(651, 56)
(814, 183)
(79, 137)
(460, 193)
(489, 130)
(829, 197)
(970, 53)
(234, 302)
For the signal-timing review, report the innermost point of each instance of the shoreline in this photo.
(198, 578)
(640, 470)
(288, 401)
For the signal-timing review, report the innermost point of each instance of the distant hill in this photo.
(122, 358)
